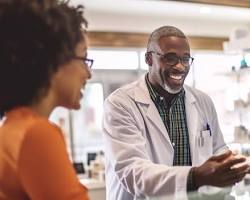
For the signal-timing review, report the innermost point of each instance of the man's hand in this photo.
(220, 170)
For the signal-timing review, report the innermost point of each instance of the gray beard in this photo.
(167, 88)
(170, 90)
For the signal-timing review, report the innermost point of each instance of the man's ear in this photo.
(148, 59)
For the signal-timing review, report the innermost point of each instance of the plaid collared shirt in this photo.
(174, 119)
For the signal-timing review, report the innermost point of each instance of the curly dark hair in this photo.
(36, 37)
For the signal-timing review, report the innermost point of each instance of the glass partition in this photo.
(82, 128)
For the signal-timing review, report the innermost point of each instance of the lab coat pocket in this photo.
(205, 145)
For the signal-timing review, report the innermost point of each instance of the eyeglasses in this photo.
(172, 59)
(87, 61)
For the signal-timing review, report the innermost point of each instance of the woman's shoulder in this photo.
(25, 119)
(42, 127)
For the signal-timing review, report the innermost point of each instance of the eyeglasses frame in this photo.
(85, 60)
(179, 58)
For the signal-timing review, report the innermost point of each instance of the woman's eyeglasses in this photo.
(87, 61)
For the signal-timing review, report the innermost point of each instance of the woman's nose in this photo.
(89, 75)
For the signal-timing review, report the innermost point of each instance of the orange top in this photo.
(34, 163)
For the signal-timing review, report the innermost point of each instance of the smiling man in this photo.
(161, 135)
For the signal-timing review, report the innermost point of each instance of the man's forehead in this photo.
(174, 42)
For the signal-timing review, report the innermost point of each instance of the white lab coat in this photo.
(139, 153)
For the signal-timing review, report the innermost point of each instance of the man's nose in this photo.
(179, 65)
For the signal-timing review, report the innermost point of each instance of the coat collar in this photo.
(141, 93)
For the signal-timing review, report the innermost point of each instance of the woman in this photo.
(43, 65)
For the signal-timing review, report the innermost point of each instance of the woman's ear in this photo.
(148, 58)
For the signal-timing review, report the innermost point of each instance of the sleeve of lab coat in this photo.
(126, 153)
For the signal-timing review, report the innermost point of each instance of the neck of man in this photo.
(162, 92)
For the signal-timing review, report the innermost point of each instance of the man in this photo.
(157, 128)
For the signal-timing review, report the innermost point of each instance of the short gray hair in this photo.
(167, 31)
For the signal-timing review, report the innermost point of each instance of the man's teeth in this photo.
(176, 77)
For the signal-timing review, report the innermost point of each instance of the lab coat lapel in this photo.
(142, 96)
(192, 123)
(154, 116)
